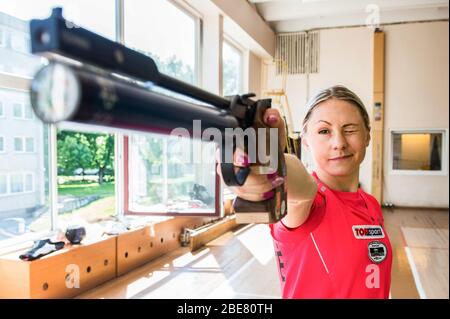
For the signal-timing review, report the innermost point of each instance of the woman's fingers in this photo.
(252, 197)
(240, 158)
(257, 187)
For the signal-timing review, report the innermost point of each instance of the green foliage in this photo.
(86, 151)
(73, 152)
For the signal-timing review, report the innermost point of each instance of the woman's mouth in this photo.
(342, 158)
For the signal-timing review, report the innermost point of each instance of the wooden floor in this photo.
(241, 264)
(420, 245)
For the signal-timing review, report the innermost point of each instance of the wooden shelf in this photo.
(62, 274)
(97, 260)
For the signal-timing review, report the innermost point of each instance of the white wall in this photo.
(416, 97)
(254, 74)
(346, 59)
(416, 93)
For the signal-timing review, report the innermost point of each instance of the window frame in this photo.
(24, 144)
(23, 116)
(121, 187)
(444, 154)
(124, 145)
(126, 196)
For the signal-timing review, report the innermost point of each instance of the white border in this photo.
(444, 152)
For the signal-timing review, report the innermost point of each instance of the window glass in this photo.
(417, 151)
(162, 179)
(25, 201)
(232, 69)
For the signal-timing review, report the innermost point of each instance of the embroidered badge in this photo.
(368, 231)
(377, 251)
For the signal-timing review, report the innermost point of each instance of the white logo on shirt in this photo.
(368, 231)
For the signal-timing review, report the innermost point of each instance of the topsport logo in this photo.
(368, 231)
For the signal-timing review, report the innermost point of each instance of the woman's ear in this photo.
(368, 139)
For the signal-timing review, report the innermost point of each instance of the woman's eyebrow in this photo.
(350, 124)
(323, 121)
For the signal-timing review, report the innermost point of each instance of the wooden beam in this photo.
(204, 235)
(378, 115)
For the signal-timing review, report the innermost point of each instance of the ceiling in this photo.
(298, 15)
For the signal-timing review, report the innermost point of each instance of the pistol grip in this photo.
(268, 211)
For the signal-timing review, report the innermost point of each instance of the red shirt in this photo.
(341, 251)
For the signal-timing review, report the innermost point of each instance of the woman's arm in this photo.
(301, 190)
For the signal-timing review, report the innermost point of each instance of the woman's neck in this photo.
(346, 183)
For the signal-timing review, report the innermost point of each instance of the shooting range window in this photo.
(419, 151)
(232, 69)
(3, 184)
(165, 175)
(184, 183)
(32, 137)
(150, 29)
(2, 144)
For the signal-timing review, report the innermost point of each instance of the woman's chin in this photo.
(340, 171)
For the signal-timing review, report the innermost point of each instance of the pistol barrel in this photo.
(61, 92)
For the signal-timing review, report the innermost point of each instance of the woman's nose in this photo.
(339, 141)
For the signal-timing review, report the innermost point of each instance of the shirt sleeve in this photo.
(283, 234)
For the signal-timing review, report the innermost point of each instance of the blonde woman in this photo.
(332, 243)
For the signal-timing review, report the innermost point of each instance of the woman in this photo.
(332, 243)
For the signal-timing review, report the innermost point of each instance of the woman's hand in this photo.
(258, 187)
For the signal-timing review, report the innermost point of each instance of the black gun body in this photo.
(103, 98)
(114, 102)
(53, 36)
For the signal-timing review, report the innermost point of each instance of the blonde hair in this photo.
(338, 92)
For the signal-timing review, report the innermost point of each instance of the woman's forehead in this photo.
(336, 110)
